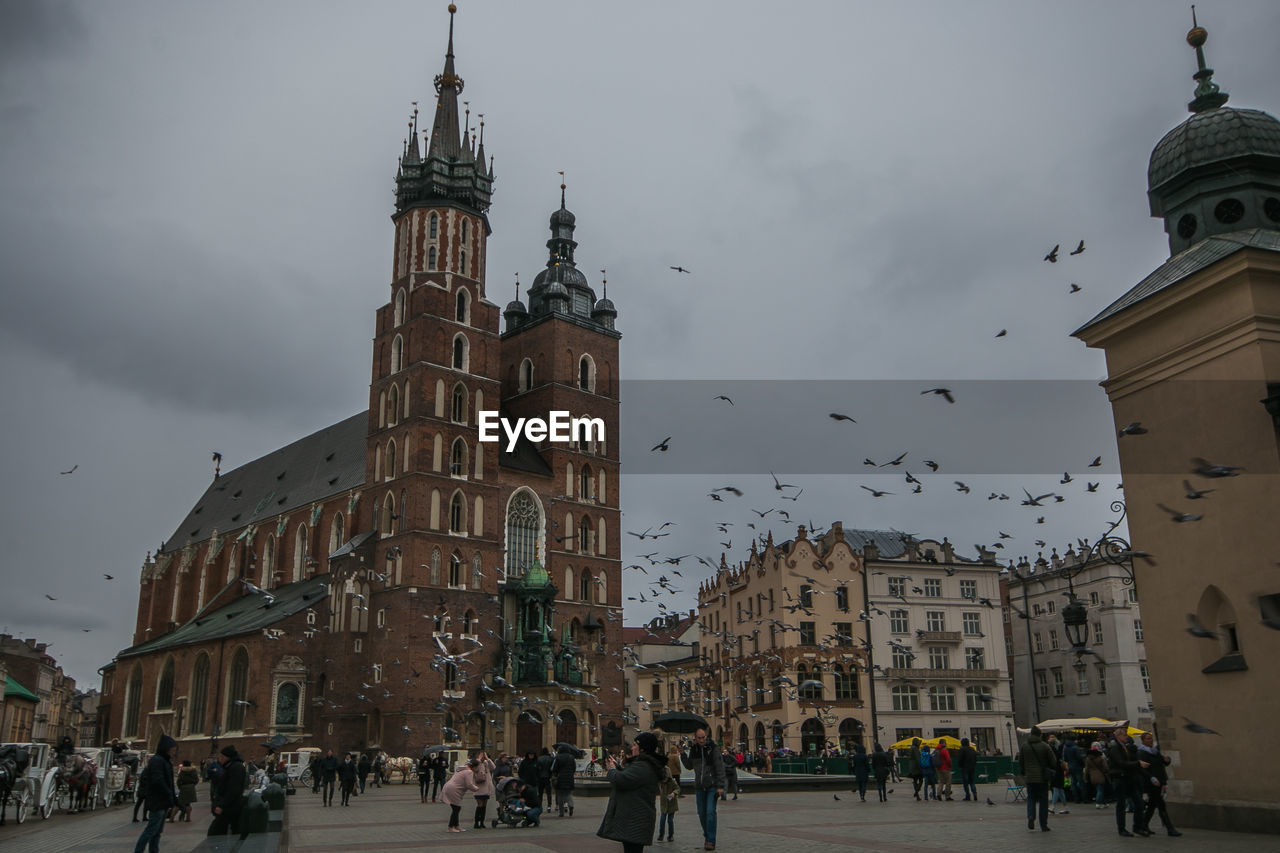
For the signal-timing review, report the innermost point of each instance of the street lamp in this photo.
(1076, 617)
(1110, 549)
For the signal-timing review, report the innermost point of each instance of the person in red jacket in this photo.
(942, 760)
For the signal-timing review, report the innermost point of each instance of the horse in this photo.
(79, 774)
(402, 765)
(13, 763)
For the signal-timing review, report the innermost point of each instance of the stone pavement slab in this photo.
(392, 818)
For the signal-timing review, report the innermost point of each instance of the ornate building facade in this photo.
(392, 581)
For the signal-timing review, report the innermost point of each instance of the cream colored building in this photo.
(771, 627)
(1193, 354)
(660, 669)
(937, 641)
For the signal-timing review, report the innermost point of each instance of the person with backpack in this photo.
(1037, 763)
(929, 772)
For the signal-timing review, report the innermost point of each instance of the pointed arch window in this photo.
(524, 523)
(393, 405)
(132, 701)
(237, 690)
(397, 354)
(586, 484)
(462, 307)
(462, 261)
(433, 227)
(526, 375)
(388, 515)
(389, 464)
(458, 458)
(458, 411)
(455, 570)
(431, 258)
(458, 514)
(466, 230)
(398, 314)
(268, 563)
(337, 532)
(164, 690)
(469, 622)
(586, 538)
(586, 373)
(461, 352)
(435, 566)
(199, 695)
(477, 573)
(584, 586)
(300, 555)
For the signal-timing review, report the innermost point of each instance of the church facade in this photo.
(392, 581)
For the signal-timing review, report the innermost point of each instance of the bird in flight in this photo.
(897, 461)
(1195, 629)
(1052, 257)
(681, 269)
(50, 597)
(961, 487)
(1135, 428)
(1205, 468)
(875, 493)
(779, 486)
(1180, 517)
(1096, 463)
(942, 392)
(1195, 494)
(723, 397)
(72, 471)
(1002, 333)
(1078, 250)
(109, 577)
(1091, 487)
(1075, 288)
(836, 416)
(933, 466)
(662, 445)
(1035, 501)
(1196, 728)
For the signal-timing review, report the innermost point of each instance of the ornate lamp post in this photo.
(1110, 549)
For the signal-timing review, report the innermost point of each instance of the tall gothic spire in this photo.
(444, 130)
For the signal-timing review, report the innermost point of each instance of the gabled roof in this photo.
(1185, 264)
(310, 469)
(247, 614)
(13, 689)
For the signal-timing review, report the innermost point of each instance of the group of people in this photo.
(1134, 776)
(535, 779)
(165, 794)
(932, 769)
(328, 774)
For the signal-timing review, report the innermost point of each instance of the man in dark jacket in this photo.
(1072, 754)
(156, 787)
(425, 765)
(329, 775)
(1155, 779)
(703, 758)
(228, 793)
(314, 766)
(967, 764)
(546, 763)
(363, 767)
(347, 778)
(563, 771)
(439, 771)
(1037, 763)
(1126, 779)
(913, 767)
(65, 749)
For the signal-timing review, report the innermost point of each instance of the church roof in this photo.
(12, 689)
(1213, 136)
(310, 469)
(1186, 263)
(247, 614)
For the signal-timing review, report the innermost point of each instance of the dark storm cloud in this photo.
(38, 30)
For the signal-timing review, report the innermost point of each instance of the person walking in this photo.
(483, 774)
(967, 764)
(439, 771)
(630, 815)
(1156, 778)
(1127, 770)
(563, 771)
(314, 767)
(228, 797)
(668, 801)
(329, 775)
(913, 767)
(730, 774)
(1037, 763)
(1057, 788)
(928, 772)
(1095, 770)
(882, 766)
(546, 768)
(895, 773)
(379, 771)
(455, 789)
(1074, 757)
(861, 766)
(942, 759)
(347, 774)
(155, 785)
(425, 763)
(528, 771)
(708, 782)
(188, 781)
(363, 768)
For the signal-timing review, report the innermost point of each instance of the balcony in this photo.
(940, 636)
(944, 674)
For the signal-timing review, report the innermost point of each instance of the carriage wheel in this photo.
(61, 798)
(46, 810)
(23, 803)
(305, 778)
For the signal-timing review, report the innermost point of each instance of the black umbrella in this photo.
(680, 723)
(577, 753)
(432, 750)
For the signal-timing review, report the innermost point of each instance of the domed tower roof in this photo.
(1219, 171)
(561, 288)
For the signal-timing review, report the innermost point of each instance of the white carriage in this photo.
(35, 788)
(297, 764)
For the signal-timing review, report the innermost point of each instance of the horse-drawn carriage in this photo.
(120, 778)
(27, 779)
(297, 764)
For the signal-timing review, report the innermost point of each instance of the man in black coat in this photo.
(546, 764)
(967, 764)
(228, 793)
(363, 768)
(563, 770)
(425, 765)
(329, 775)
(439, 771)
(1126, 779)
(347, 778)
(156, 787)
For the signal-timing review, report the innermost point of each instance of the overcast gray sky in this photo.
(194, 236)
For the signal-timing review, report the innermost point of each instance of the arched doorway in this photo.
(567, 727)
(850, 733)
(813, 736)
(778, 735)
(762, 743)
(744, 741)
(528, 732)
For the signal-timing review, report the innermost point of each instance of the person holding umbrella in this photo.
(631, 813)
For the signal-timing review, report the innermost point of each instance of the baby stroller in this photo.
(512, 809)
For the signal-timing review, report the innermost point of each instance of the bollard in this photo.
(255, 817)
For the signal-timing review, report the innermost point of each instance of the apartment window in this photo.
(897, 586)
(842, 598)
(1146, 677)
(1137, 630)
(938, 658)
(906, 698)
(806, 596)
(933, 588)
(739, 609)
(1059, 686)
(898, 622)
(1037, 610)
(1008, 647)
(1082, 680)
(807, 634)
(972, 624)
(1042, 684)
(1133, 596)
(1039, 642)
(974, 658)
(770, 600)
(1093, 598)
(1102, 678)
(901, 660)
(1051, 606)
(942, 698)
(844, 633)
(846, 684)
(969, 590)
(1097, 633)
(976, 699)
(908, 734)
(1053, 640)
(813, 692)
(935, 620)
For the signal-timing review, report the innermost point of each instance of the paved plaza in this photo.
(392, 818)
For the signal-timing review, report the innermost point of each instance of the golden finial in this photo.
(452, 8)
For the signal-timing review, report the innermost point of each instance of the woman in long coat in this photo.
(861, 770)
(632, 811)
(882, 766)
(483, 775)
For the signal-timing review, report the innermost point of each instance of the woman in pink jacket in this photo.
(483, 774)
(459, 783)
